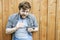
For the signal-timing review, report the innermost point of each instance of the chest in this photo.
(27, 22)
(24, 21)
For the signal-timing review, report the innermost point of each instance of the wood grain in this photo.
(43, 19)
(51, 19)
(5, 18)
(58, 21)
(1, 36)
(35, 11)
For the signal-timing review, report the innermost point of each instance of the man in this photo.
(22, 24)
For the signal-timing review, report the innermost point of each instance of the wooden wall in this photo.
(47, 13)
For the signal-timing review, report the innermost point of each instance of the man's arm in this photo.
(35, 25)
(33, 29)
(10, 30)
(9, 26)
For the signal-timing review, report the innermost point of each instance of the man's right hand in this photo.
(19, 25)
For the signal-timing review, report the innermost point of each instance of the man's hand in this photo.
(30, 29)
(33, 29)
(19, 25)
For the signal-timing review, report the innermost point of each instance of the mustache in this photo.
(23, 15)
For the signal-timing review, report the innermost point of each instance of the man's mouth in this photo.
(23, 15)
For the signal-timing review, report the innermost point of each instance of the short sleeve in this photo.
(9, 23)
(35, 24)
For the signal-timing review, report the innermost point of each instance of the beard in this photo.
(23, 16)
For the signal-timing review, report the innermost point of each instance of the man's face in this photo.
(24, 13)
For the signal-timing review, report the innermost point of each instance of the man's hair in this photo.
(24, 5)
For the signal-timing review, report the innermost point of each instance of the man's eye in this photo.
(23, 11)
(27, 11)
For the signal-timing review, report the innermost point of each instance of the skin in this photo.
(23, 14)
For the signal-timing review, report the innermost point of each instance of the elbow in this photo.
(36, 29)
(7, 32)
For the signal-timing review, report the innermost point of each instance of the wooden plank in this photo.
(12, 7)
(51, 19)
(16, 6)
(19, 1)
(5, 18)
(58, 21)
(1, 36)
(35, 11)
(43, 19)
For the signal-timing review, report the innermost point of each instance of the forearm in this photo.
(11, 30)
(33, 29)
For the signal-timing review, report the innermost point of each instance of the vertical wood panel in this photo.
(1, 20)
(51, 19)
(19, 1)
(43, 19)
(16, 6)
(12, 6)
(5, 18)
(12, 9)
(35, 11)
(58, 21)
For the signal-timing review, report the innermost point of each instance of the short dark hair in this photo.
(25, 5)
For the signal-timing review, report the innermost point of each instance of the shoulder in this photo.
(31, 15)
(13, 16)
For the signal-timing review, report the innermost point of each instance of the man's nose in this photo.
(24, 13)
